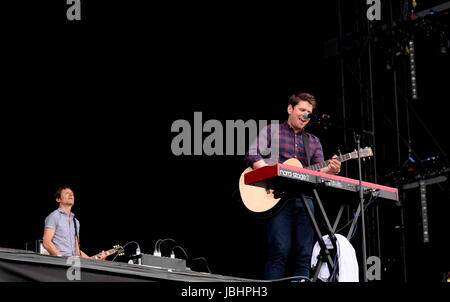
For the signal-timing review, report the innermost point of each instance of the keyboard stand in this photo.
(325, 254)
(321, 257)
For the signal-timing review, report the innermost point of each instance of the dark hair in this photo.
(60, 189)
(302, 96)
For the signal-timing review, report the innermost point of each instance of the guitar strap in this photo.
(75, 226)
(306, 145)
(76, 234)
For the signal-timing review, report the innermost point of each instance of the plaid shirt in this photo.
(290, 146)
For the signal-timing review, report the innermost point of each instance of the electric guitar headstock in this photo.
(116, 249)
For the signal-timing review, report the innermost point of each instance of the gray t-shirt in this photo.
(64, 227)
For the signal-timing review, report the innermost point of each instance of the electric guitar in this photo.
(116, 249)
(259, 199)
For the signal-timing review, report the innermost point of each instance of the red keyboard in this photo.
(262, 176)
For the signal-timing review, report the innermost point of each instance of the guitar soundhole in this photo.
(273, 193)
(269, 190)
(277, 194)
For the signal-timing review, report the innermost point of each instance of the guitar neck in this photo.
(321, 165)
(108, 252)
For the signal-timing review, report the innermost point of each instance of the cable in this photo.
(333, 276)
(206, 262)
(372, 200)
(132, 242)
(336, 257)
(138, 249)
(177, 246)
(354, 230)
(187, 257)
(343, 227)
(114, 257)
(288, 278)
(365, 208)
(156, 252)
(163, 241)
(348, 222)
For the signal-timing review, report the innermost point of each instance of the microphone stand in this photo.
(361, 205)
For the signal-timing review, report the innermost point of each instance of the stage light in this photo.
(444, 46)
(388, 66)
(412, 69)
(424, 211)
(444, 43)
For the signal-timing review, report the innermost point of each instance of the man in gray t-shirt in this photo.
(62, 228)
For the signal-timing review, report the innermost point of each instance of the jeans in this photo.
(290, 230)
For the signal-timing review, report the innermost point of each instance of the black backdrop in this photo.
(91, 104)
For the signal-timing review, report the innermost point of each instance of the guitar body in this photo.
(259, 199)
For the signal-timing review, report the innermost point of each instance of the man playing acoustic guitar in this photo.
(290, 229)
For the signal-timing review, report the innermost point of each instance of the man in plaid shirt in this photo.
(290, 230)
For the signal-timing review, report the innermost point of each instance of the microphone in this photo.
(317, 117)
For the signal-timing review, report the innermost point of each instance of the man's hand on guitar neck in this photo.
(100, 256)
(334, 166)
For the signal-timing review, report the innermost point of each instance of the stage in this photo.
(21, 265)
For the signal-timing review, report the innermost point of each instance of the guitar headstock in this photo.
(363, 153)
(119, 250)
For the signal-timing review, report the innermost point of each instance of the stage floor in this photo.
(21, 265)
